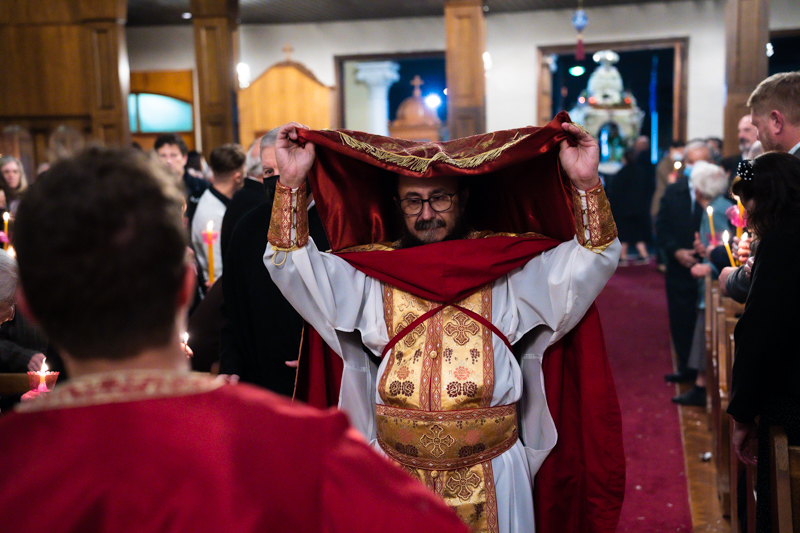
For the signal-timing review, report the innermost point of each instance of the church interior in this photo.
(124, 72)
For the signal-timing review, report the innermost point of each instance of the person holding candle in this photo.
(710, 183)
(227, 163)
(677, 224)
(766, 364)
(136, 442)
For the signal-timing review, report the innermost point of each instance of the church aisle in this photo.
(633, 310)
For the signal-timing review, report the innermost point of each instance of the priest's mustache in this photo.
(423, 225)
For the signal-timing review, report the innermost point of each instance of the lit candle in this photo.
(741, 215)
(710, 211)
(42, 373)
(185, 337)
(728, 247)
(5, 229)
(210, 232)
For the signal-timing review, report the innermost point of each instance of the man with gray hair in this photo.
(678, 219)
(22, 346)
(260, 170)
(263, 334)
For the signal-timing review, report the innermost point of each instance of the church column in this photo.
(215, 51)
(378, 77)
(747, 34)
(466, 79)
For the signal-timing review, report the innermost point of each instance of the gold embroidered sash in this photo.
(446, 440)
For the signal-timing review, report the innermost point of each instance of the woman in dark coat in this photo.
(766, 367)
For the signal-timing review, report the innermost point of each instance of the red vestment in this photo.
(149, 451)
(515, 186)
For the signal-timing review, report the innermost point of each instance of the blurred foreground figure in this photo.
(134, 441)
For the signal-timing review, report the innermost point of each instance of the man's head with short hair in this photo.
(101, 249)
(269, 165)
(697, 151)
(226, 161)
(775, 111)
(172, 151)
(432, 209)
(747, 133)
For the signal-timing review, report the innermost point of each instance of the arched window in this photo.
(156, 113)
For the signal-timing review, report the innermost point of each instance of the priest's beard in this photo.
(409, 240)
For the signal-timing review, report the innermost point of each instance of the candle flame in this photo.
(210, 226)
(12, 252)
(6, 216)
(678, 165)
(710, 210)
(185, 337)
(725, 236)
(44, 366)
(744, 236)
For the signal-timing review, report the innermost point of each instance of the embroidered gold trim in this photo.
(599, 219)
(289, 212)
(421, 164)
(123, 386)
(446, 440)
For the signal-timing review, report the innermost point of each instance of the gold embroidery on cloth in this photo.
(421, 164)
(122, 386)
(468, 491)
(446, 440)
(601, 226)
(289, 211)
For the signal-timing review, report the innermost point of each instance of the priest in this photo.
(468, 270)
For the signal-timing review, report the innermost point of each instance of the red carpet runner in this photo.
(633, 310)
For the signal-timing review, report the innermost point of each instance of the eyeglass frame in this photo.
(429, 201)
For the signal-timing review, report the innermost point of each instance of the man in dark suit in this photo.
(262, 335)
(678, 219)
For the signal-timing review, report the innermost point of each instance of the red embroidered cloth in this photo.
(515, 186)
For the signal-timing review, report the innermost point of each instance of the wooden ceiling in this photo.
(165, 12)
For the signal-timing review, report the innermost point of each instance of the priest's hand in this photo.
(294, 157)
(581, 160)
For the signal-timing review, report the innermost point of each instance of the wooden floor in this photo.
(700, 470)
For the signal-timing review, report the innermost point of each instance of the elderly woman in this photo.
(710, 183)
(14, 183)
(22, 346)
(766, 365)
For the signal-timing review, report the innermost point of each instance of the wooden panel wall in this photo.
(65, 64)
(466, 79)
(175, 83)
(285, 92)
(747, 33)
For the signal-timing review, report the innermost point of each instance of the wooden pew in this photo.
(726, 312)
(784, 469)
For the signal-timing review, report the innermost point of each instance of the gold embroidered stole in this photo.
(436, 373)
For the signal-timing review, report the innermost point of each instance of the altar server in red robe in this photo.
(134, 441)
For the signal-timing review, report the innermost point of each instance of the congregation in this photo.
(392, 332)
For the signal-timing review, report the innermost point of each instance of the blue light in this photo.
(577, 70)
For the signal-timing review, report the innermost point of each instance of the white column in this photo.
(378, 77)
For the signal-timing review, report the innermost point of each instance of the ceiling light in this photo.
(186, 16)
